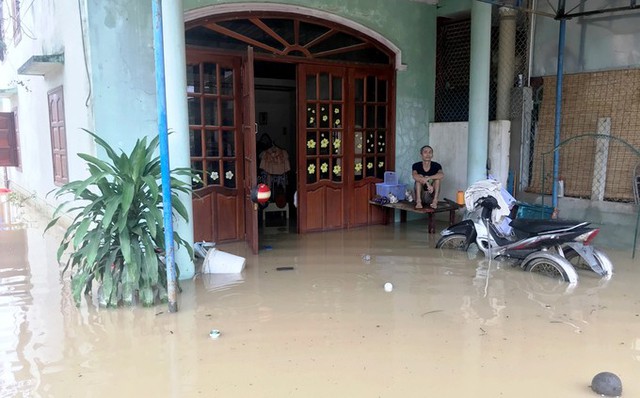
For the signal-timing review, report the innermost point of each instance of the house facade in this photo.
(345, 90)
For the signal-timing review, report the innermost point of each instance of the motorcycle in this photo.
(551, 247)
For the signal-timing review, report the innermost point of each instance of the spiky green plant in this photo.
(116, 237)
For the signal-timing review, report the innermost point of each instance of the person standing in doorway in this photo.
(427, 174)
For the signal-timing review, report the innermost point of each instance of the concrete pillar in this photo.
(506, 61)
(478, 143)
(599, 182)
(177, 117)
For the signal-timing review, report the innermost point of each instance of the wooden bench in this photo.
(404, 207)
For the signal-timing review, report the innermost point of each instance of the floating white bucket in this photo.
(219, 262)
(215, 282)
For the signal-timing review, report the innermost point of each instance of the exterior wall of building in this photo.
(411, 27)
(454, 8)
(121, 102)
(599, 42)
(590, 99)
(48, 27)
(120, 35)
(601, 58)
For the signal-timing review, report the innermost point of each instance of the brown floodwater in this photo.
(450, 327)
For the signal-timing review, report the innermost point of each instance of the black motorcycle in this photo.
(551, 247)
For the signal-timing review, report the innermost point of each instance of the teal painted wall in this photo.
(123, 85)
(122, 70)
(411, 27)
(454, 8)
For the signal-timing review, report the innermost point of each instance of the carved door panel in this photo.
(372, 148)
(216, 145)
(321, 163)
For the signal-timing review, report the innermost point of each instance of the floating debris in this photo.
(431, 312)
(284, 269)
(388, 287)
(214, 333)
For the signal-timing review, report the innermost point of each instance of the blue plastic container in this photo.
(527, 210)
(398, 190)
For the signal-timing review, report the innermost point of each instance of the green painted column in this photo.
(177, 118)
(478, 140)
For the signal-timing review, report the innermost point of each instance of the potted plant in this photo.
(116, 237)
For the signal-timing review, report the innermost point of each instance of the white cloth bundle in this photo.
(493, 188)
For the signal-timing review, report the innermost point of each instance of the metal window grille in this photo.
(453, 64)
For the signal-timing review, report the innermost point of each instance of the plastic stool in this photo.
(272, 207)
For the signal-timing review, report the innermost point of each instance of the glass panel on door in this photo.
(212, 133)
(371, 133)
(324, 124)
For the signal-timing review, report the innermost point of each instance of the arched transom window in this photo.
(285, 35)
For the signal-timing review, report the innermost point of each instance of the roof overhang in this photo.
(40, 65)
(8, 92)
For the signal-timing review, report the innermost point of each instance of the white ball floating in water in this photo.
(607, 383)
(388, 287)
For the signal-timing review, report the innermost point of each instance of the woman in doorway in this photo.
(427, 174)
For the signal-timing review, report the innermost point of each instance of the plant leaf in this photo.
(77, 286)
(81, 231)
(107, 283)
(151, 182)
(110, 152)
(112, 206)
(51, 223)
(125, 245)
(146, 296)
(61, 250)
(92, 250)
(100, 164)
(179, 207)
(127, 198)
(127, 293)
(150, 262)
(151, 223)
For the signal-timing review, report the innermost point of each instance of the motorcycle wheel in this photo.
(551, 265)
(579, 262)
(454, 241)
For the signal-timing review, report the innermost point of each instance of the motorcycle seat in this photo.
(536, 226)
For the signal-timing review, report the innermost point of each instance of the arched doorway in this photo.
(341, 84)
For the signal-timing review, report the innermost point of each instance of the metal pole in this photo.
(532, 30)
(161, 101)
(559, 73)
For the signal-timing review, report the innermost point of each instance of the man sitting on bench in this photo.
(427, 175)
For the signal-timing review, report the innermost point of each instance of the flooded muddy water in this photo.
(323, 325)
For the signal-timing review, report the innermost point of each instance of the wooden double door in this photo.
(344, 143)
